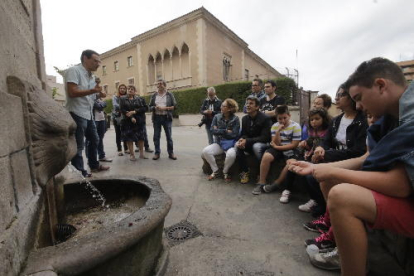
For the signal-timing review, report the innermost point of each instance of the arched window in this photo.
(167, 65)
(185, 60)
(151, 70)
(158, 66)
(175, 58)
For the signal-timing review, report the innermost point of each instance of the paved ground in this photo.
(242, 234)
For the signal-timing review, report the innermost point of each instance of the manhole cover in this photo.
(181, 232)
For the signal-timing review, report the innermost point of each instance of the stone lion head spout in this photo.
(50, 130)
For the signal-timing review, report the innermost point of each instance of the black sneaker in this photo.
(324, 242)
(317, 225)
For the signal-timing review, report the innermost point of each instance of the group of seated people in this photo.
(356, 177)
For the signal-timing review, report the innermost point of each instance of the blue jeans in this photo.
(85, 129)
(160, 120)
(259, 149)
(209, 134)
(101, 129)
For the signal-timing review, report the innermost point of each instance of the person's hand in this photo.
(214, 127)
(157, 107)
(281, 127)
(208, 112)
(273, 145)
(320, 151)
(290, 161)
(130, 113)
(303, 144)
(301, 167)
(97, 89)
(241, 144)
(229, 131)
(318, 155)
(133, 120)
(316, 159)
(102, 94)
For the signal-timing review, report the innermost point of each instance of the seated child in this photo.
(286, 135)
(373, 191)
(318, 122)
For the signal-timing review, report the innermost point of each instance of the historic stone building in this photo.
(191, 51)
(408, 69)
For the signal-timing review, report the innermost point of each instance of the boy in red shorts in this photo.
(379, 195)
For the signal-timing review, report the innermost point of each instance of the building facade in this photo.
(408, 69)
(191, 51)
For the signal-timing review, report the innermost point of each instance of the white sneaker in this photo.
(285, 196)
(307, 207)
(327, 261)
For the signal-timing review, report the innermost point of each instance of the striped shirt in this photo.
(292, 132)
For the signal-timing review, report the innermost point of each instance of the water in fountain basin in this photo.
(89, 186)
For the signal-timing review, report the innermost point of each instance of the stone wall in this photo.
(22, 85)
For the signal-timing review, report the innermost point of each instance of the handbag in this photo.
(226, 144)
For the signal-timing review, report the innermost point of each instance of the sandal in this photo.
(120, 153)
(227, 178)
(132, 158)
(143, 157)
(214, 175)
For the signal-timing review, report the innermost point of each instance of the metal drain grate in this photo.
(181, 232)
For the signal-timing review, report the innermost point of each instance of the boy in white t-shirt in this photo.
(286, 135)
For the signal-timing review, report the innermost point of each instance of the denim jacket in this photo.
(222, 125)
(116, 112)
(389, 145)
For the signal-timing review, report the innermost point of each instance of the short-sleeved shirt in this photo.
(270, 105)
(161, 100)
(81, 106)
(292, 132)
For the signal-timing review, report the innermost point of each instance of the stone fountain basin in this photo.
(132, 245)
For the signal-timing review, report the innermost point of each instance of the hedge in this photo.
(190, 100)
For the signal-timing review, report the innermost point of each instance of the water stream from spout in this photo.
(89, 186)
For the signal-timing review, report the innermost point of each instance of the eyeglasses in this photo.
(340, 95)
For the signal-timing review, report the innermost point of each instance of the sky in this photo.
(324, 40)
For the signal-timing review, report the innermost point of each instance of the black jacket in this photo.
(137, 104)
(256, 129)
(356, 136)
(216, 102)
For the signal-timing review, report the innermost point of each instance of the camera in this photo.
(202, 122)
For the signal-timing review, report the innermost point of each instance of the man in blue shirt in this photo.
(81, 89)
